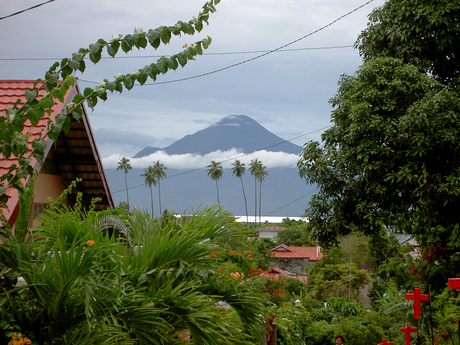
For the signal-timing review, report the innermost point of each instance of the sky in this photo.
(286, 91)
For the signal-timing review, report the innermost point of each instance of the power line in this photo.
(27, 9)
(254, 58)
(230, 159)
(204, 54)
(289, 203)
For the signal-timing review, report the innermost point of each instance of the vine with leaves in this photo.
(61, 76)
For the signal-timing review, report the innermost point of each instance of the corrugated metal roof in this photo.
(75, 153)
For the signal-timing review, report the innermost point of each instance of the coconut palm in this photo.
(86, 287)
(238, 170)
(215, 172)
(253, 167)
(261, 173)
(123, 164)
(150, 179)
(159, 172)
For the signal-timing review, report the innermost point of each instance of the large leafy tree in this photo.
(238, 170)
(159, 173)
(420, 32)
(150, 180)
(391, 157)
(215, 171)
(123, 164)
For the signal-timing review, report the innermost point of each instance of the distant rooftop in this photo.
(271, 220)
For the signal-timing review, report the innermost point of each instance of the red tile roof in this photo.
(10, 92)
(284, 251)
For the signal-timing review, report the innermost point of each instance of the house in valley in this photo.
(295, 259)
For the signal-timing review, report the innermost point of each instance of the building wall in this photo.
(46, 186)
(293, 265)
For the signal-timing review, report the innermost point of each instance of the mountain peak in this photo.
(233, 131)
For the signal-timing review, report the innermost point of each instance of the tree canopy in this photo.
(391, 158)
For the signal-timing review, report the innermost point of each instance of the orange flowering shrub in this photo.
(17, 339)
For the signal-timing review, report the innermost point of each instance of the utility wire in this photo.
(229, 159)
(254, 58)
(204, 54)
(289, 203)
(27, 9)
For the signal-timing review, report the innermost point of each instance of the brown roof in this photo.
(75, 153)
(284, 251)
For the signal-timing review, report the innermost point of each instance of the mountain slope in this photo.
(233, 131)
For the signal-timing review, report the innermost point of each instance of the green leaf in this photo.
(87, 91)
(74, 64)
(172, 62)
(182, 58)
(128, 82)
(39, 146)
(35, 114)
(154, 37)
(31, 95)
(95, 48)
(82, 66)
(165, 35)
(78, 56)
(112, 49)
(95, 57)
(125, 45)
(91, 101)
(52, 78)
(77, 113)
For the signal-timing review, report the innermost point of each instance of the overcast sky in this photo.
(287, 92)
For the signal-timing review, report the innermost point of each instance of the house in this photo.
(295, 259)
(269, 231)
(72, 155)
(277, 273)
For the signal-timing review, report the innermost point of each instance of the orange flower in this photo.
(192, 45)
(90, 242)
(185, 45)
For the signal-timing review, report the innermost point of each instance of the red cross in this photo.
(453, 283)
(384, 342)
(408, 331)
(417, 297)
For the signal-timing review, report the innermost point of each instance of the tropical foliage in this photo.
(215, 171)
(148, 286)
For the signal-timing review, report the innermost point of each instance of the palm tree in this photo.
(159, 173)
(150, 179)
(215, 172)
(89, 288)
(261, 174)
(123, 164)
(253, 166)
(239, 170)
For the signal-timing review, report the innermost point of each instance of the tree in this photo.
(215, 172)
(253, 167)
(123, 164)
(238, 170)
(159, 173)
(261, 173)
(15, 144)
(419, 32)
(150, 179)
(391, 158)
